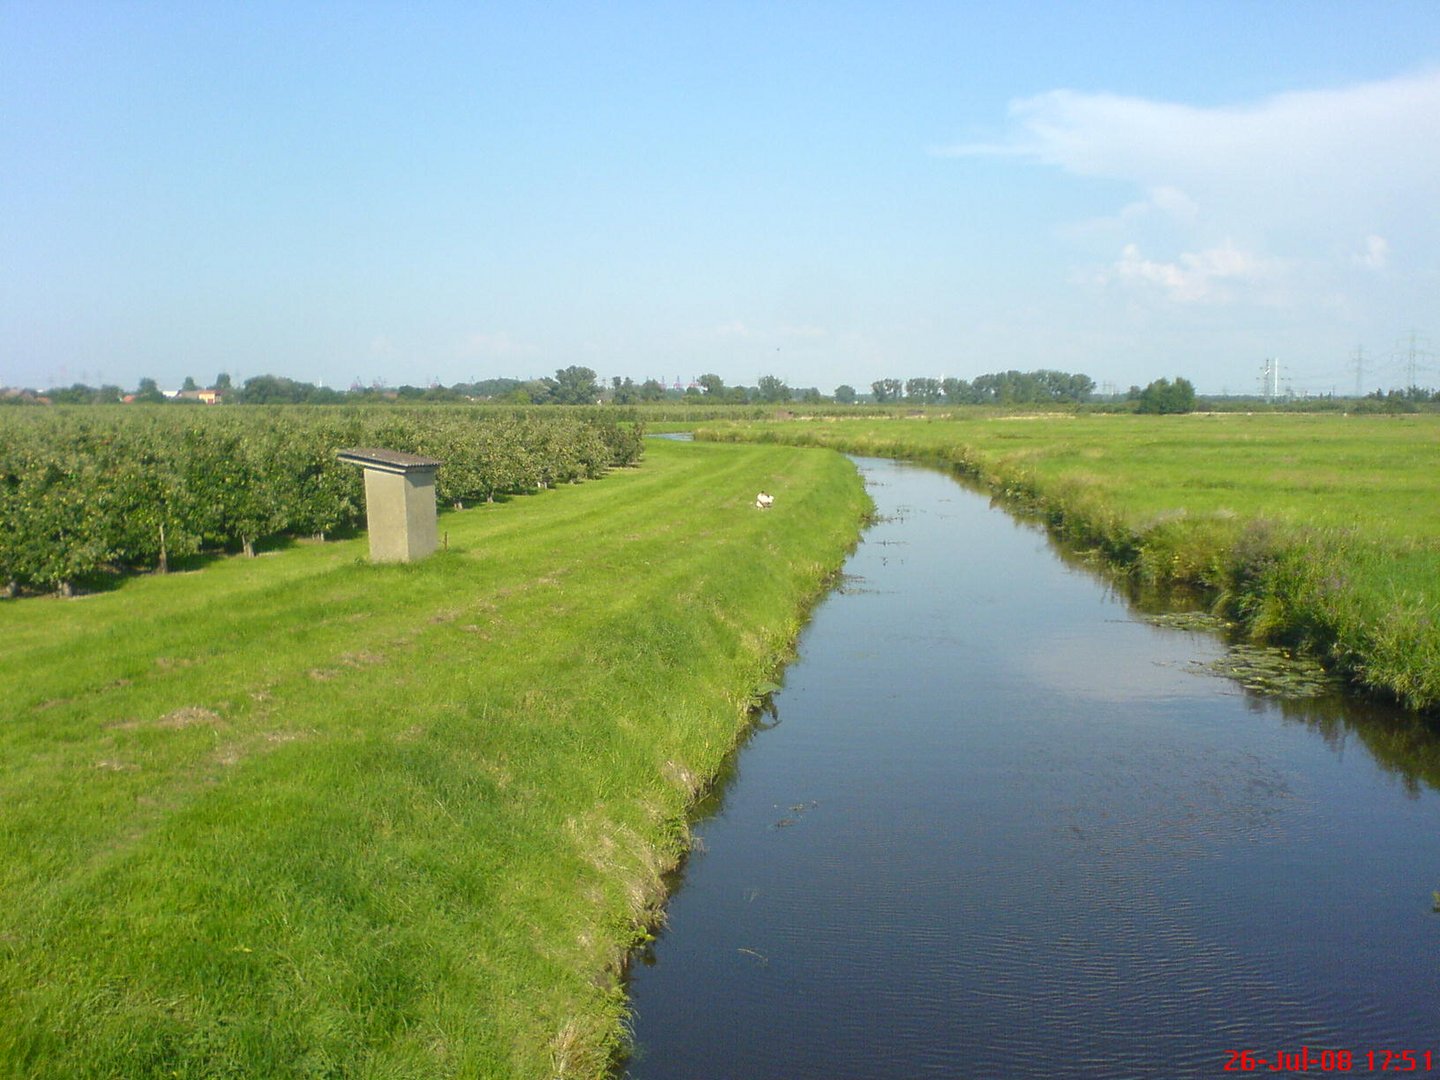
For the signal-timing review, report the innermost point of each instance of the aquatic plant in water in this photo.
(1272, 671)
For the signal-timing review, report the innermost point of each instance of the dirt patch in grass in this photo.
(188, 716)
(362, 659)
(165, 663)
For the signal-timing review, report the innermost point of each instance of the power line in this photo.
(1412, 354)
(1270, 379)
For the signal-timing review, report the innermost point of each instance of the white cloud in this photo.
(1215, 274)
(1376, 254)
(1161, 206)
(1375, 137)
(1173, 202)
(1250, 192)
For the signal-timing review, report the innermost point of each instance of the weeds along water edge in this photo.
(1316, 533)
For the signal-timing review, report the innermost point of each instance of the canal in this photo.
(999, 825)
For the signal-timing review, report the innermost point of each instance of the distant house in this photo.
(16, 393)
(205, 397)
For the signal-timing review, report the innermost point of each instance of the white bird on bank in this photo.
(763, 501)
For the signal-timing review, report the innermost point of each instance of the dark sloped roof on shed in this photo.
(389, 460)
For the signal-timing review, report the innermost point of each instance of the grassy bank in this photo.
(304, 816)
(1320, 531)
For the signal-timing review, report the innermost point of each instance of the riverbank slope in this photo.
(1317, 531)
(305, 816)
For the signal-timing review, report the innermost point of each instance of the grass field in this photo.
(1322, 531)
(304, 816)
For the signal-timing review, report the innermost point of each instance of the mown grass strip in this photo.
(1317, 531)
(305, 816)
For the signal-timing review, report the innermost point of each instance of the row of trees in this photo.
(571, 386)
(577, 385)
(1164, 397)
(85, 492)
(999, 388)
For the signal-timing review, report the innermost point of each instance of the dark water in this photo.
(1004, 828)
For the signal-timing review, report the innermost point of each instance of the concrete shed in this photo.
(399, 503)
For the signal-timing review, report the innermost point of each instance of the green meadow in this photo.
(1320, 531)
(300, 815)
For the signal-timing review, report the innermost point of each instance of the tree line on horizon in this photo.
(576, 385)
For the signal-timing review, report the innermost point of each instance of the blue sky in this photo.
(832, 193)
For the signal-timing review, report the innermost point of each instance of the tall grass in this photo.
(1321, 531)
(306, 816)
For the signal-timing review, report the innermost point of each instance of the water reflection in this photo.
(1035, 839)
(1404, 745)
